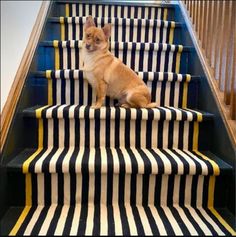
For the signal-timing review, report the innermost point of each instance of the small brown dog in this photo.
(107, 74)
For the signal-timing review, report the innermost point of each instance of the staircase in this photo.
(115, 171)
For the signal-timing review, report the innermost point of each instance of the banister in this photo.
(214, 26)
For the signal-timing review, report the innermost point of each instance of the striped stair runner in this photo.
(123, 29)
(117, 171)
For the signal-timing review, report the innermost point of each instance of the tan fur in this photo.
(107, 74)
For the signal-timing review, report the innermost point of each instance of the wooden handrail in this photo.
(215, 29)
(214, 23)
(19, 80)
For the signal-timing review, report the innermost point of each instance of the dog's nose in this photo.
(88, 46)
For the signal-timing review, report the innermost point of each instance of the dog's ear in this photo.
(107, 30)
(89, 22)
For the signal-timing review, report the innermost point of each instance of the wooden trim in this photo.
(19, 80)
(226, 111)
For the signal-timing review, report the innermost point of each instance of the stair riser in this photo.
(164, 93)
(144, 189)
(136, 59)
(122, 30)
(118, 133)
(112, 189)
(113, 10)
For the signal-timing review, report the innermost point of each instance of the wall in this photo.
(17, 21)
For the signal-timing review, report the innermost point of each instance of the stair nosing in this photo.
(91, 113)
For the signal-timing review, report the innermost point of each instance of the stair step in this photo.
(114, 220)
(162, 127)
(167, 89)
(117, 9)
(86, 112)
(122, 29)
(155, 57)
(119, 160)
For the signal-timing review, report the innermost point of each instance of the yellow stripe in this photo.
(48, 76)
(178, 58)
(211, 191)
(28, 181)
(188, 77)
(26, 164)
(195, 135)
(172, 32)
(55, 45)
(67, 10)
(165, 14)
(49, 91)
(28, 190)
(185, 95)
(25, 167)
(62, 28)
(199, 115)
(215, 166)
(20, 221)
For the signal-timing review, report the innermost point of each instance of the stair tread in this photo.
(120, 160)
(87, 112)
(114, 220)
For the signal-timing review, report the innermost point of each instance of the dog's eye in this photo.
(88, 35)
(97, 40)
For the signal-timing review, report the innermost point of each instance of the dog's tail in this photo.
(152, 105)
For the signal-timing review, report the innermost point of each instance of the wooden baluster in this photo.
(201, 20)
(209, 34)
(190, 8)
(233, 89)
(196, 18)
(228, 52)
(187, 4)
(214, 32)
(195, 14)
(205, 25)
(224, 35)
(219, 49)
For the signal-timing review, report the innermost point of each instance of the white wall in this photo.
(17, 21)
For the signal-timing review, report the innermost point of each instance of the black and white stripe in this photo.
(123, 30)
(125, 11)
(116, 171)
(70, 87)
(134, 189)
(138, 56)
(116, 160)
(142, 206)
(162, 127)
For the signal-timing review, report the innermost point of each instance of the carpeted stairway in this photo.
(117, 171)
